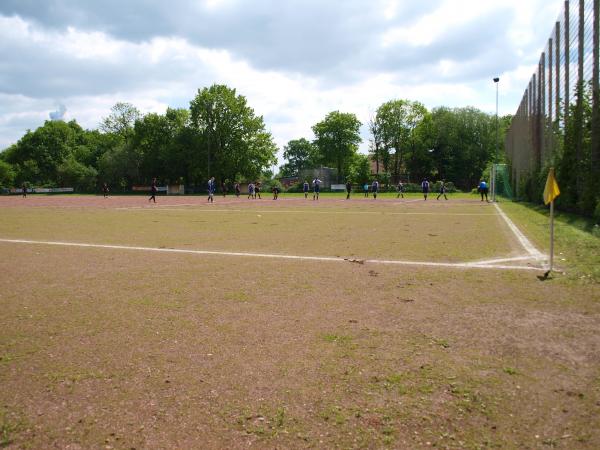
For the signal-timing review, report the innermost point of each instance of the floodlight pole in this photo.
(495, 166)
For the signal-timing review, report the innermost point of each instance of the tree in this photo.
(359, 170)
(337, 138)
(121, 120)
(233, 137)
(396, 122)
(7, 174)
(38, 153)
(377, 148)
(300, 154)
(462, 143)
(72, 173)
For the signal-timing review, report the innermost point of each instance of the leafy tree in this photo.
(380, 154)
(359, 170)
(396, 122)
(7, 174)
(462, 142)
(119, 166)
(233, 137)
(72, 173)
(37, 155)
(337, 138)
(300, 154)
(121, 120)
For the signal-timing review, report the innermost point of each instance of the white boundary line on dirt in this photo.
(472, 265)
(303, 211)
(526, 243)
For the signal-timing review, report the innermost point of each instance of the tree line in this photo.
(220, 135)
(407, 142)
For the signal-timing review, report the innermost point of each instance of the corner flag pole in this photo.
(551, 235)
(551, 191)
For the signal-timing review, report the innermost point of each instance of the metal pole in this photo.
(496, 81)
(551, 235)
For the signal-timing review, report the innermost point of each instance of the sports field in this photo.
(292, 324)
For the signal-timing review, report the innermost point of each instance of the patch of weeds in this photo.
(441, 342)
(6, 358)
(510, 370)
(8, 426)
(155, 303)
(267, 424)
(550, 442)
(337, 339)
(333, 414)
(238, 296)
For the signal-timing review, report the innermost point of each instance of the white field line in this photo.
(526, 243)
(270, 255)
(297, 211)
(488, 262)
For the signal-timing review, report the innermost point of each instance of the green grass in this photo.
(577, 239)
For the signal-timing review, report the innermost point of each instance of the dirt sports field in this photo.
(294, 324)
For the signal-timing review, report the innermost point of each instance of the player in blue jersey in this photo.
(211, 189)
(305, 188)
(425, 188)
(400, 188)
(483, 190)
(316, 188)
(375, 188)
(442, 190)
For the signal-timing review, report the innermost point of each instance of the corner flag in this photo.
(551, 191)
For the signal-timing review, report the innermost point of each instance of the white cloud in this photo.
(295, 62)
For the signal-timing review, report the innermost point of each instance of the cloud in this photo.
(59, 114)
(295, 61)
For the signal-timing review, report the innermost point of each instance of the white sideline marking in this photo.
(273, 256)
(526, 243)
(269, 211)
(501, 260)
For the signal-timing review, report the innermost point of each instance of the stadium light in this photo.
(495, 166)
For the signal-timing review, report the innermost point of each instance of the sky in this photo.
(294, 60)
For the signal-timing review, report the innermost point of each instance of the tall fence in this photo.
(570, 59)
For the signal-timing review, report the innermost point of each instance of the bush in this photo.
(7, 174)
(71, 173)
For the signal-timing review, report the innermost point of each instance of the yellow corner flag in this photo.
(551, 191)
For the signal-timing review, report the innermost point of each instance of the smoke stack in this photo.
(59, 114)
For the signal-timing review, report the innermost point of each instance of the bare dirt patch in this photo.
(109, 348)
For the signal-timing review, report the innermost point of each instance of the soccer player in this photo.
(223, 188)
(442, 190)
(305, 187)
(366, 189)
(251, 191)
(105, 190)
(348, 189)
(24, 189)
(257, 190)
(237, 189)
(153, 190)
(483, 190)
(316, 188)
(375, 188)
(211, 189)
(425, 187)
(275, 192)
(400, 188)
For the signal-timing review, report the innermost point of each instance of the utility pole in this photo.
(495, 165)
